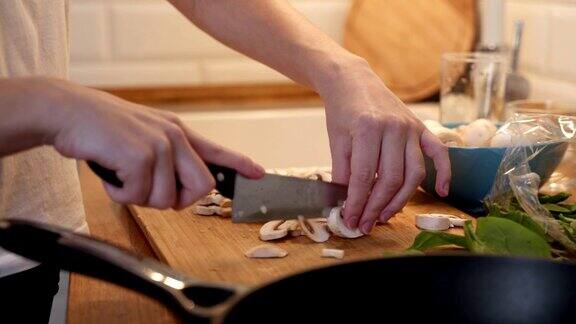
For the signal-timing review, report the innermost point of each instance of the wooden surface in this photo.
(212, 248)
(403, 40)
(219, 95)
(94, 301)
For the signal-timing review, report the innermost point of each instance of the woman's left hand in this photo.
(377, 147)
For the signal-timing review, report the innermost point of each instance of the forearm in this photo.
(272, 32)
(25, 120)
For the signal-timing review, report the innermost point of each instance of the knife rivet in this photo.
(263, 209)
(220, 176)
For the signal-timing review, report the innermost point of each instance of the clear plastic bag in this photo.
(537, 144)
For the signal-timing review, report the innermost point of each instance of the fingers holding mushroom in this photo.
(338, 227)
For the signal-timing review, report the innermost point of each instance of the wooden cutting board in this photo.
(212, 248)
(403, 40)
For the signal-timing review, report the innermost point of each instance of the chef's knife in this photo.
(268, 198)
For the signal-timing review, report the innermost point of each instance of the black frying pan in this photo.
(432, 289)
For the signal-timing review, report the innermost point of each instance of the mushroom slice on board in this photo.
(337, 226)
(333, 253)
(266, 251)
(271, 231)
(292, 226)
(432, 222)
(213, 210)
(204, 210)
(315, 230)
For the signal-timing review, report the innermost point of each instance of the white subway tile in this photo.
(89, 34)
(562, 59)
(228, 71)
(128, 74)
(329, 16)
(157, 30)
(534, 51)
(546, 88)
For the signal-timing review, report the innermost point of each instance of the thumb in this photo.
(438, 152)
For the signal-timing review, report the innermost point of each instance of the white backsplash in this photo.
(268, 135)
(147, 42)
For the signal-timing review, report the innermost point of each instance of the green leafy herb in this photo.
(426, 240)
(472, 241)
(565, 219)
(504, 236)
(553, 199)
(493, 235)
(570, 207)
(569, 230)
(555, 208)
(519, 217)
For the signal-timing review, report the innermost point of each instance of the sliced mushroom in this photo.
(290, 225)
(324, 176)
(204, 210)
(432, 222)
(296, 233)
(223, 211)
(457, 221)
(205, 201)
(312, 176)
(318, 231)
(226, 202)
(221, 201)
(270, 231)
(337, 226)
(333, 253)
(266, 251)
(212, 210)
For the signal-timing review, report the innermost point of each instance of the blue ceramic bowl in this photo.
(474, 171)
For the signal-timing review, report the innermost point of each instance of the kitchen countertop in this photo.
(94, 301)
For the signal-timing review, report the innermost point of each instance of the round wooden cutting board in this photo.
(403, 40)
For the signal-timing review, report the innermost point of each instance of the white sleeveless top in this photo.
(37, 184)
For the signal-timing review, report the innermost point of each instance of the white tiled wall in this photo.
(147, 42)
(548, 54)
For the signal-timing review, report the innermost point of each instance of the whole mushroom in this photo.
(478, 133)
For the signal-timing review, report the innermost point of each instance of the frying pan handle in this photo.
(225, 177)
(82, 254)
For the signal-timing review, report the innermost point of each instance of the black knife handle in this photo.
(225, 177)
(106, 174)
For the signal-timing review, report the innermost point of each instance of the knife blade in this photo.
(272, 197)
(277, 197)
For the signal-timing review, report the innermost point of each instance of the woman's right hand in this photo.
(147, 148)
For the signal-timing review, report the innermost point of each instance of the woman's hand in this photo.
(377, 147)
(147, 148)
